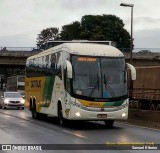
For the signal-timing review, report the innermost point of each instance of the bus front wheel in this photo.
(62, 121)
(109, 123)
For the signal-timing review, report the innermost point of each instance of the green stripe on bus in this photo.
(47, 92)
(118, 103)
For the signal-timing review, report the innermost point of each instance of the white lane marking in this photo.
(139, 126)
(7, 116)
(10, 115)
(25, 118)
(78, 135)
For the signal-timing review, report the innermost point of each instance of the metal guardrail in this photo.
(18, 53)
(141, 50)
(137, 55)
(135, 50)
(17, 48)
(28, 51)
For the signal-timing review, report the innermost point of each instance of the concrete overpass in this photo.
(15, 58)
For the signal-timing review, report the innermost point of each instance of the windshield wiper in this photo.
(96, 84)
(108, 87)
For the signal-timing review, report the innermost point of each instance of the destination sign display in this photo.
(87, 59)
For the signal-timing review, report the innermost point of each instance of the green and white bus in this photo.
(78, 81)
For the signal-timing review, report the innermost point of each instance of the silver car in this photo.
(12, 99)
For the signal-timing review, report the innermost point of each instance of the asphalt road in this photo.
(17, 127)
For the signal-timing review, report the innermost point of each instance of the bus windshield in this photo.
(99, 77)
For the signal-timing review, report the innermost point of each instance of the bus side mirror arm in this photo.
(69, 69)
(133, 71)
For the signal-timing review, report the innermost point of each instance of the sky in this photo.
(22, 20)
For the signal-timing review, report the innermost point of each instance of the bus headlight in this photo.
(78, 114)
(124, 114)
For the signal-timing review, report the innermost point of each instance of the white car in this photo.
(12, 99)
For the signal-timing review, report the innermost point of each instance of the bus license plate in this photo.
(102, 115)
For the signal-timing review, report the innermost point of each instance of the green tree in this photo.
(46, 35)
(98, 27)
(71, 31)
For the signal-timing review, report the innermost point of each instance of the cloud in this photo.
(19, 40)
(147, 38)
(146, 22)
(22, 20)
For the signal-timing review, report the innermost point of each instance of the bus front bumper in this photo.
(97, 114)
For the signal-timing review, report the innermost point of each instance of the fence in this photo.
(136, 50)
(18, 48)
(141, 50)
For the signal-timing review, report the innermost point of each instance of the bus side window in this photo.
(53, 62)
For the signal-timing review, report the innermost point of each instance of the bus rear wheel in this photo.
(109, 123)
(35, 114)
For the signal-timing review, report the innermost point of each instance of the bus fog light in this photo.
(78, 114)
(124, 114)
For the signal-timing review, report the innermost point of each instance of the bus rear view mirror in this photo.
(133, 71)
(69, 69)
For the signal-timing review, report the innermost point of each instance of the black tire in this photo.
(3, 107)
(158, 107)
(35, 114)
(138, 105)
(30, 105)
(22, 108)
(109, 123)
(62, 121)
(152, 107)
(130, 105)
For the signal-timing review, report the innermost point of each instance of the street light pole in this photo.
(131, 40)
